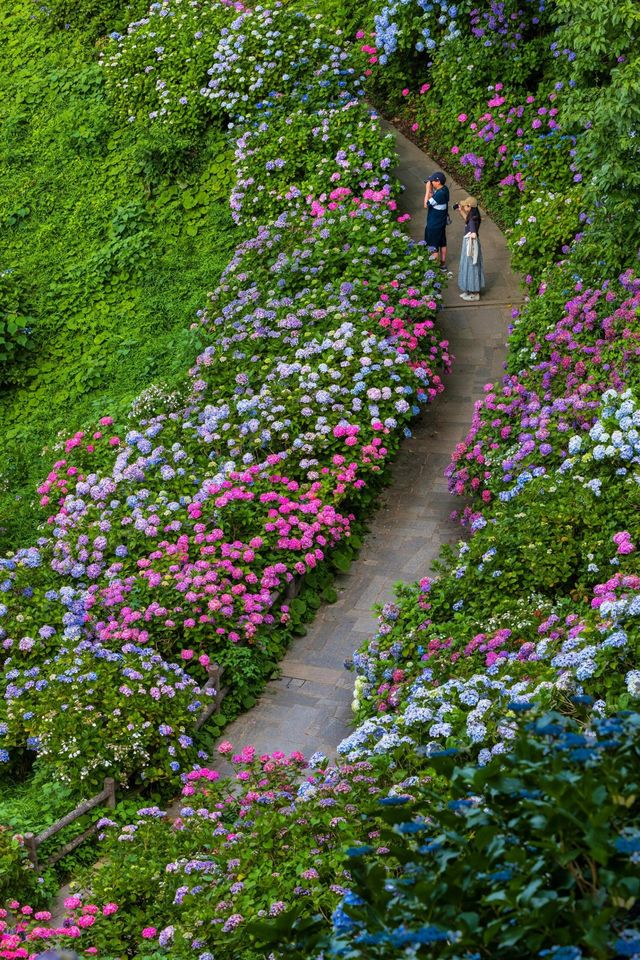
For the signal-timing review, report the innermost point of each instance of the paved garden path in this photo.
(308, 708)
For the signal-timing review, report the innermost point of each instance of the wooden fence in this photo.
(107, 796)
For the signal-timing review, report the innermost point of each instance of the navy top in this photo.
(437, 208)
(473, 221)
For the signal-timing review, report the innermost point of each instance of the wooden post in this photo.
(32, 849)
(110, 790)
(214, 676)
(293, 587)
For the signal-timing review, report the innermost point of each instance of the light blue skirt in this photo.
(470, 274)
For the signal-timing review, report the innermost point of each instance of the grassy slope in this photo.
(112, 259)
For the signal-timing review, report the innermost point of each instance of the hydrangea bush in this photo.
(442, 671)
(490, 861)
(339, 148)
(209, 884)
(156, 70)
(527, 422)
(26, 932)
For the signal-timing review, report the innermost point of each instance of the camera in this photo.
(456, 206)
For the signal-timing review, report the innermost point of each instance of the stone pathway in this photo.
(309, 707)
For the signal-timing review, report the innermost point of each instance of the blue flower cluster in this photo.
(422, 24)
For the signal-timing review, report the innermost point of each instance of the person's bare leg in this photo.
(443, 254)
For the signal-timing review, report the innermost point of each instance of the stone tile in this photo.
(304, 671)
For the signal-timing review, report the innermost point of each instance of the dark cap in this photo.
(438, 175)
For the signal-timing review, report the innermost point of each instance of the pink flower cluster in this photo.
(623, 542)
(25, 932)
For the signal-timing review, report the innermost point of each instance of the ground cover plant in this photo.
(457, 786)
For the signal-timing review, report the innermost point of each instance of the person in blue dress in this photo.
(436, 202)
(471, 271)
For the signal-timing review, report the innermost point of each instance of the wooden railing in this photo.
(107, 796)
(215, 672)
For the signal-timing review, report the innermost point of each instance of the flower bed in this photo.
(527, 423)
(443, 671)
(170, 540)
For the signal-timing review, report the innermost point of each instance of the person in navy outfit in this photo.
(436, 202)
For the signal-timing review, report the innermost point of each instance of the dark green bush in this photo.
(16, 873)
(93, 16)
(534, 855)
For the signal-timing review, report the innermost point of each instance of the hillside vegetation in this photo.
(110, 239)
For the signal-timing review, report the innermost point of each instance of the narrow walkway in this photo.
(309, 707)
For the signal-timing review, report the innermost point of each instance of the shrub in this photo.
(16, 871)
(198, 884)
(487, 867)
(92, 16)
(156, 70)
(551, 220)
(291, 159)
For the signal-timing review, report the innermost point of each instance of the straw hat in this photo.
(469, 202)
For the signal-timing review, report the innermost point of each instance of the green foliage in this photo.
(66, 731)
(601, 61)
(591, 47)
(545, 222)
(30, 807)
(466, 67)
(92, 16)
(115, 236)
(483, 860)
(14, 324)
(341, 15)
(486, 867)
(16, 872)
(156, 70)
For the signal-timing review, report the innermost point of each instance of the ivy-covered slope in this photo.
(110, 239)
